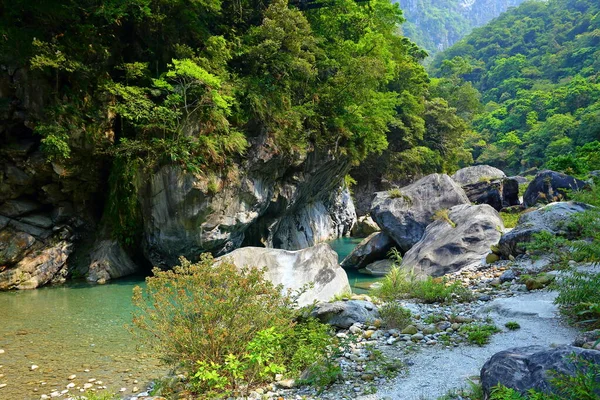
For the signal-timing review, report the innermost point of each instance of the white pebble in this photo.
(44, 397)
(1, 351)
(70, 385)
(135, 389)
(2, 385)
(33, 367)
(87, 385)
(92, 380)
(54, 394)
(71, 377)
(122, 389)
(86, 370)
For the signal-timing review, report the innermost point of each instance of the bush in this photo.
(227, 329)
(394, 316)
(512, 325)
(479, 334)
(579, 298)
(509, 219)
(401, 284)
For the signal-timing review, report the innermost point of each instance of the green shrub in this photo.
(579, 298)
(394, 316)
(479, 334)
(396, 193)
(401, 284)
(227, 329)
(512, 325)
(509, 219)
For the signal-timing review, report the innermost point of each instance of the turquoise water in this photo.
(343, 247)
(70, 329)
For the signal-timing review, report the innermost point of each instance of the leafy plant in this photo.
(479, 334)
(512, 325)
(394, 316)
(509, 219)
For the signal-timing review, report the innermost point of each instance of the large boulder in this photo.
(109, 261)
(498, 193)
(373, 248)
(343, 314)
(405, 213)
(295, 269)
(549, 186)
(552, 218)
(378, 268)
(365, 226)
(477, 173)
(532, 367)
(461, 240)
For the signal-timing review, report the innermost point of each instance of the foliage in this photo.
(512, 325)
(442, 215)
(402, 284)
(479, 334)
(536, 68)
(583, 384)
(227, 329)
(509, 219)
(578, 297)
(394, 316)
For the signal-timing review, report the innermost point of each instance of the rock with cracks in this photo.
(373, 248)
(343, 314)
(532, 367)
(551, 218)
(405, 213)
(477, 173)
(549, 186)
(461, 240)
(317, 266)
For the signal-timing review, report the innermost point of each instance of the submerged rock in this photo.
(295, 269)
(532, 367)
(551, 218)
(373, 248)
(461, 241)
(405, 213)
(550, 186)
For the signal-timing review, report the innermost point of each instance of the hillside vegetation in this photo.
(536, 68)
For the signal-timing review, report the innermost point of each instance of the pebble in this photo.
(1, 351)
(122, 390)
(2, 385)
(87, 385)
(70, 385)
(71, 377)
(33, 367)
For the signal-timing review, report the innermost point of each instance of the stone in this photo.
(16, 208)
(446, 247)
(532, 367)
(14, 245)
(38, 268)
(491, 258)
(33, 367)
(410, 330)
(477, 173)
(343, 314)
(365, 226)
(507, 276)
(405, 213)
(39, 220)
(108, 260)
(378, 268)
(295, 269)
(551, 218)
(373, 248)
(286, 383)
(539, 281)
(416, 337)
(549, 186)
(499, 193)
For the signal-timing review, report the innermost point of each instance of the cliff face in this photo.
(438, 24)
(49, 210)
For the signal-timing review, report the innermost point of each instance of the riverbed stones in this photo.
(295, 269)
(373, 248)
(551, 218)
(461, 240)
(532, 367)
(405, 213)
(343, 314)
(550, 186)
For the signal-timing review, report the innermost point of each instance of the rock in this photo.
(15, 208)
(499, 193)
(477, 173)
(524, 368)
(410, 330)
(316, 222)
(373, 248)
(405, 214)
(294, 269)
(378, 268)
(551, 218)
(365, 226)
(343, 314)
(586, 337)
(539, 281)
(507, 276)
(521, 180)
(416, 337)
(13, 246)
(549, 186)
(39, 267)
(33, 367)
(109, 260)
(286, 383)
(491, 258)
(444, 248)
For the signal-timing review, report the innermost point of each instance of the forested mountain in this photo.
(437, 24)
(537, 68)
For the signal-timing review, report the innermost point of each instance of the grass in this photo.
(512, 325)
(396, 193)
(394, 316)
(442, 215)
(402, 284)
(509, 219)
(478, 333)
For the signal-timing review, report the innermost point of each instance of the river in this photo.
(81, 329)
